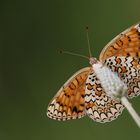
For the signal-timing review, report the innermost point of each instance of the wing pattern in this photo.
(125, 44)
(69, 102)
(128, 69)
(99, 106)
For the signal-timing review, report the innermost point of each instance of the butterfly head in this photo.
(92, 60)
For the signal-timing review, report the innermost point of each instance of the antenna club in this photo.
(87, 27)
(60, 51)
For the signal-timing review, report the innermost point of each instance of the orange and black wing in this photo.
(99, 106)
(125, 44)
(69, 102)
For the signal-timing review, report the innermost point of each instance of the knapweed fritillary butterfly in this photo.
(83, 94)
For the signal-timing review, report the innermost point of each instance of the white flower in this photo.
(112, 84)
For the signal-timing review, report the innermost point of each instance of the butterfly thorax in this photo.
(92, 60)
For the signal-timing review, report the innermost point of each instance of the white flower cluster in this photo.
(112, 84)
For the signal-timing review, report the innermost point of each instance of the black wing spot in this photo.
(83, 95)
(74, 109)
(81, 104)
(128, 54)
(137, 54)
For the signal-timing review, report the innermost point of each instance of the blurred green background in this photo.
(32, 70)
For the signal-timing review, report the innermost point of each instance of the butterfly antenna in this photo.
(72, 53)
(89, 48)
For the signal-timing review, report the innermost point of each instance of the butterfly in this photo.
(83, 93)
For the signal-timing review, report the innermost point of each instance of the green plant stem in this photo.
(131, 110)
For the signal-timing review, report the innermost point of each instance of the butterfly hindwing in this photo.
(69, 102)
(99, 106)
(128, 69)
(125, 44)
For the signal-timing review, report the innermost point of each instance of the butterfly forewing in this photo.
(99, 106)
(125, 44)
(69, 102)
